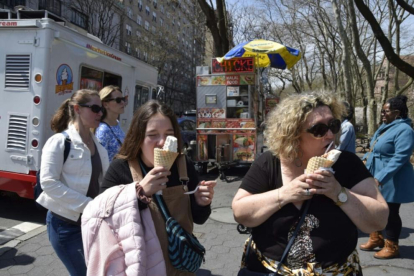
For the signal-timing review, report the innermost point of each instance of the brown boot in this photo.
(389, 251)
(375, 240)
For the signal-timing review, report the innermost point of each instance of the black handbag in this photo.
(245, 272)
(185, 251)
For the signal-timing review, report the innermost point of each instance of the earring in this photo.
(297, 161)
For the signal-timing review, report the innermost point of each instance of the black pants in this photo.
(394, 225)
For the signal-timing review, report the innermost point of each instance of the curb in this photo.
(32, 229)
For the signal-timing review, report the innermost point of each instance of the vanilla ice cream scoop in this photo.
(332, 155)
(170, 144)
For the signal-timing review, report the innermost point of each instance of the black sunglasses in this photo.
(94, 108)
(320, 130)
(119, 99)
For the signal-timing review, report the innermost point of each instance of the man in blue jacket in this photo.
(348, 132)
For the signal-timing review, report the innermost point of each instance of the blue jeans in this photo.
(66, 240)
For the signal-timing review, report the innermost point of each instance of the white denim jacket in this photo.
(65, 185)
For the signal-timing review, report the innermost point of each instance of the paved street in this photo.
(31, 254)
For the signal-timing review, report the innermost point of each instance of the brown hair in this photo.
(105, 95)
(66, 114)
(131, 148)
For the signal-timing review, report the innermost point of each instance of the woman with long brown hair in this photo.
(150, 126)
(69, 186)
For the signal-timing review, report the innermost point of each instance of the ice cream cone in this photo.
(164, 158)
(318, 162)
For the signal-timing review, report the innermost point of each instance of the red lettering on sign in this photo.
(233, 80)
(235, 65)
(8, 24)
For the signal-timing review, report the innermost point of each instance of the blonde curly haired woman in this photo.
(272, 193)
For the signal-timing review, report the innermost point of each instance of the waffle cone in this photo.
(318, 162)
(164, 158)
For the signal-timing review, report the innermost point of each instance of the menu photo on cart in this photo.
(243, 147)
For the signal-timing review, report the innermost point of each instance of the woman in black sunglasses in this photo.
(109, 132)
(272, 194)
(69, 185)
(389, 162)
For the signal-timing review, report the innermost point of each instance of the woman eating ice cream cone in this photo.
(306, 223)
(152, 123)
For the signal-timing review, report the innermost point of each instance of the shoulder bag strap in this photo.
(67, 146)
(159, 200)
(305, 208)
(135, 169)
(119, 141)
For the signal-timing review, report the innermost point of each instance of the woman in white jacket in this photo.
(69, 186)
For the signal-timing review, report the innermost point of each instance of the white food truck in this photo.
(42, 63)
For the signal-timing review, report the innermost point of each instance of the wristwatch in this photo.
(342, 197)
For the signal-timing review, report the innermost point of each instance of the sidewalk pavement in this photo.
(35, 256)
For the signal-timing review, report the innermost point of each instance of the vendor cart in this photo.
(227, 108)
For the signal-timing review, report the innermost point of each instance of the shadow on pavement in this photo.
(10, 258)
(20, 209)
(406, 252)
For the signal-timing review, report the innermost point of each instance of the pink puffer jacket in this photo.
(118, 239)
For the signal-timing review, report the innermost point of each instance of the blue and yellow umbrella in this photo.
(267, 53)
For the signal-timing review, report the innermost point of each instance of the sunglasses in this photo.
(119, 99)
(94, 108)
(320, 130)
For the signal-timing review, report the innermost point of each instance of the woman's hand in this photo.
(155, 180)
(297, 190)
(205, 193)
(323, 182)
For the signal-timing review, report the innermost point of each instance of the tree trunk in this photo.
(367, 67)
(346, 57)
(217, 25)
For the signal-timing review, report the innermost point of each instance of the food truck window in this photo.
(111, 79)
(141, 96)
(91, 78)
(238, 102)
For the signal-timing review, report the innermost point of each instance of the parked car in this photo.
(190, 114)
(188, 130)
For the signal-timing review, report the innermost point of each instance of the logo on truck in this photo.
(64, 79)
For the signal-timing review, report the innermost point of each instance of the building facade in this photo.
(169, 34)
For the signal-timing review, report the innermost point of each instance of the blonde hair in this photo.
(105, 95)
(284, 124)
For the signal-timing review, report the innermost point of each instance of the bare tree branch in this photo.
(383, 40)
(405, 6)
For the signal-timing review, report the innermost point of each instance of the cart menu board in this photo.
(242, 133)
(202, 147)
(243, 147)
(247, 79)
(225, 126)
